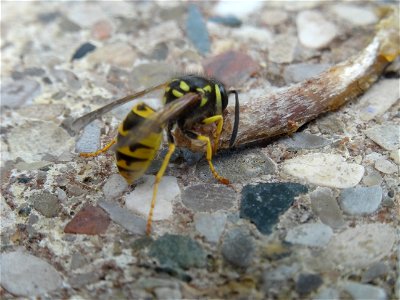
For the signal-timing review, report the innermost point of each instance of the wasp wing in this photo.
(157, 121)
(81, 122)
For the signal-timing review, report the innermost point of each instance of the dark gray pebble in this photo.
(196, 30)
(46, 203)
(83, 50)
(238, 247)
(306, 283)
(230, 21)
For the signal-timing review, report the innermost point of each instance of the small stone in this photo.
(386, 166)
(374, 271)
(239, 9)
(378, 99)
(46, 203)
(330, 124)
(91, 220)
(282, 49)
(239, 166)
(263, 203)
(238, 247)
(208, 197)
(118, 54)
(325, 206)
(101, 30)
(33, 140)
(372, 178)
(150, 74)
(19, 275)
(387, 136)
(395, 155)
(78, 260)
(140, 199)
(327, 294)
(160, 51)
(114, 187)
(80, 280)
(314, 30)
(121, 216)
(34, 72)
(231, 67)
(68, 26)
(210, 226)
(48, 17)
(44, 112)
(312, 235)
(299, 72)
(306, 283)
(89, 141)
(66, 77)
(357, 15)
(230, 21)
(369, 243)
(273, 17)
(176, 251)
(324, 169)
(83, 50)
(360, 291)
(361, 200)
(8, 218)
(196, 29)
(275, 279)
(168, 293)
(303, 140)
(24, 211)
(251, 34)
(16, 93)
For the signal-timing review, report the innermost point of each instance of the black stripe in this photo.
(129, 159)
(126, 170)
(136, 146)
(132, 120)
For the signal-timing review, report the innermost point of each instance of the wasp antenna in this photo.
(236, 124)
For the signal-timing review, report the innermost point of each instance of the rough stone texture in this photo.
(114, 186)
(312, 234)
(238, 247)
(325, 206)
(387, 136)
(210, 226)
(46, 203)
(361, 200)
(89, 220)
(16, 93)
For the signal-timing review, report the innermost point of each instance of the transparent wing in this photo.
(171, 111)
(81, 122)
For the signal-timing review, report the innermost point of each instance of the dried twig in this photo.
(285, 111)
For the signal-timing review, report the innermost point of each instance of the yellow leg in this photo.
(159, 175)
(220, 122)
(91, 154)
(209, 157)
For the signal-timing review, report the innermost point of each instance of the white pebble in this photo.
(312, 234)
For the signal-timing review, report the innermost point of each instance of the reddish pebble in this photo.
(101, 30)
(231, 67)
(90, 220)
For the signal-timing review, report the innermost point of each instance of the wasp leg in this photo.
(92, 154)
(160, 173)
(220, 122)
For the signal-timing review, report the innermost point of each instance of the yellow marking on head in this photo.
(177, 93)
(167, 88)
(218, 100)
(207, 88)
(184, 86)
(203, 101)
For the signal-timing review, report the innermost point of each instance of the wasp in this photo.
(188, 100)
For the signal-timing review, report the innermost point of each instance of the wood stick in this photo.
(284, 111)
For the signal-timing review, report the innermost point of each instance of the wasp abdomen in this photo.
(133, 160)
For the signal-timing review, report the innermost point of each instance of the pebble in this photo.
(376, 270)
(385, 166)
(8, 218)
(311, 234)
(168, 293)
(327, 293)
(101, 30)
(80, 280)
(372, 178)
(378, 99)
(275, 279)
(330, 124)
(91, 220)
(325, 206)
(114, 186)
(314, 31)
(357, 15)
(359, 291)
(324, 169)
(16, 93)
(263, 203)
(273, 17)
(395, 155)
(46, 203)
(66, 77)
(20, 275)
(252, 34)
(160, 51)
(299, 72)
(239, 9)
(208, 197)
(67, 25)
(150, 74)
(369, 243)
(387, 136)
(118, 54)
(140, 199)
(239, 166)
(282, 49)
(361, 200)
(177, 251)
(230, 21)
(196, 29)
(307, 283)
(89, 141)
(210, 226)
(31, 141)
(238, 247)
(231, 67)
(83, 50)
(303, 140)
(86, 15)
(44, 112)
(119, 215)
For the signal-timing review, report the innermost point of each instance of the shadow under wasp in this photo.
(188, 100)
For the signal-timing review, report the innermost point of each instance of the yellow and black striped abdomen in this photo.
(133, 160)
